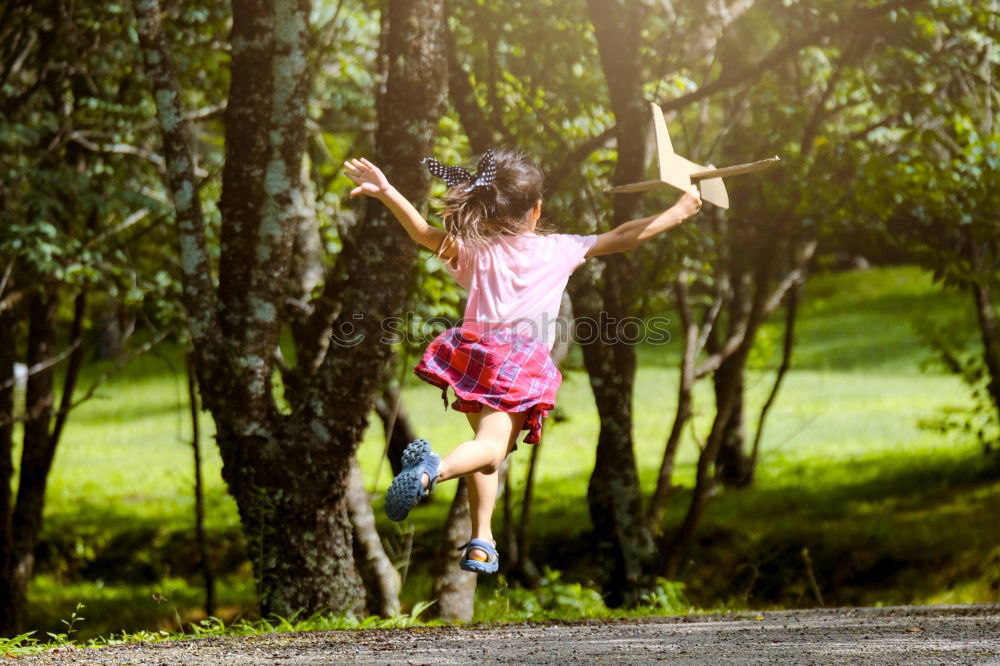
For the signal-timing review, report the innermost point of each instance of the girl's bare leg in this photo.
(495, 434)
(479, 459)
(483, 490)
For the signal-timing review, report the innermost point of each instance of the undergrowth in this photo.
(212, 627)
(556, 599)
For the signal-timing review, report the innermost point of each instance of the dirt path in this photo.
(900, 635)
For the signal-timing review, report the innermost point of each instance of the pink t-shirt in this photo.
(518, 281)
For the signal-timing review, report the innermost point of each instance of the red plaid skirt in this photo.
(493, 367)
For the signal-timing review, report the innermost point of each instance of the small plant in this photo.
(65, 638)
(210, 626)
(667, 597)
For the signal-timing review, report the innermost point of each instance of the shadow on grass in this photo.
(882, 532)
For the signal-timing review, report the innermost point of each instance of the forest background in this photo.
(177, 249)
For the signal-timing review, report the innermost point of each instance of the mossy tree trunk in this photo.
(614, 497)
(289, 471)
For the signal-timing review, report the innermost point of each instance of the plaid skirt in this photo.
(493, 367)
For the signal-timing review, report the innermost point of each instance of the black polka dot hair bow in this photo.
(486, 171)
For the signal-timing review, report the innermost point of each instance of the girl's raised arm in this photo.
(372, 182)
(631, 235)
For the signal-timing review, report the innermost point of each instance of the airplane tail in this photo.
(676, 170)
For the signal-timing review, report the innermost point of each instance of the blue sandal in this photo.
(491, 565)
(407, 488)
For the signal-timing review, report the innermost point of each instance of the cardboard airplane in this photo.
(681, 172)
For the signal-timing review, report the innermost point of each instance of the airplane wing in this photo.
(735, 170)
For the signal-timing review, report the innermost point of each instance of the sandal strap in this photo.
(430, 467)
(485, 546)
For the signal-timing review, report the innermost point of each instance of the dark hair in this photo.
(498, 209)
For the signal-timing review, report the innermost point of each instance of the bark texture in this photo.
(36, 457)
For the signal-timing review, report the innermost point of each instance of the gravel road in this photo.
(896, 635)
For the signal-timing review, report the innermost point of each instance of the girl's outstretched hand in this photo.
(690, 202)
(369, 178)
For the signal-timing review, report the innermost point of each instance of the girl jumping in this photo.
(497, 362)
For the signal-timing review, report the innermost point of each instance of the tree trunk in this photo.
(8, 355)
(791, 315)
(728, 396)
(624, 545)
(681, 541)
(751, 266)
(454, 589)
(523, 567)
(986, 317)
(199, 492)
(37, 452)
(297, 525)
(734, 466)
(763, 302)
(382, 581)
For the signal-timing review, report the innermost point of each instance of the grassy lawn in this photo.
(888, 512)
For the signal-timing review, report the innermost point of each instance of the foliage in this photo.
(553, 598)
(20, 645)
(88, 207)
(667, 597)
(935, 176)
(978, 418)
(557, 599)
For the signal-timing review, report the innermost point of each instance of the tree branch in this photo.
(463, 97)
(6, 277)
(786, 362)
(182, 181)
(43, 365)
(780, 54)
(121, 149)
(73, 370)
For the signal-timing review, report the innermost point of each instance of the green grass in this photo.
(889, 512)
